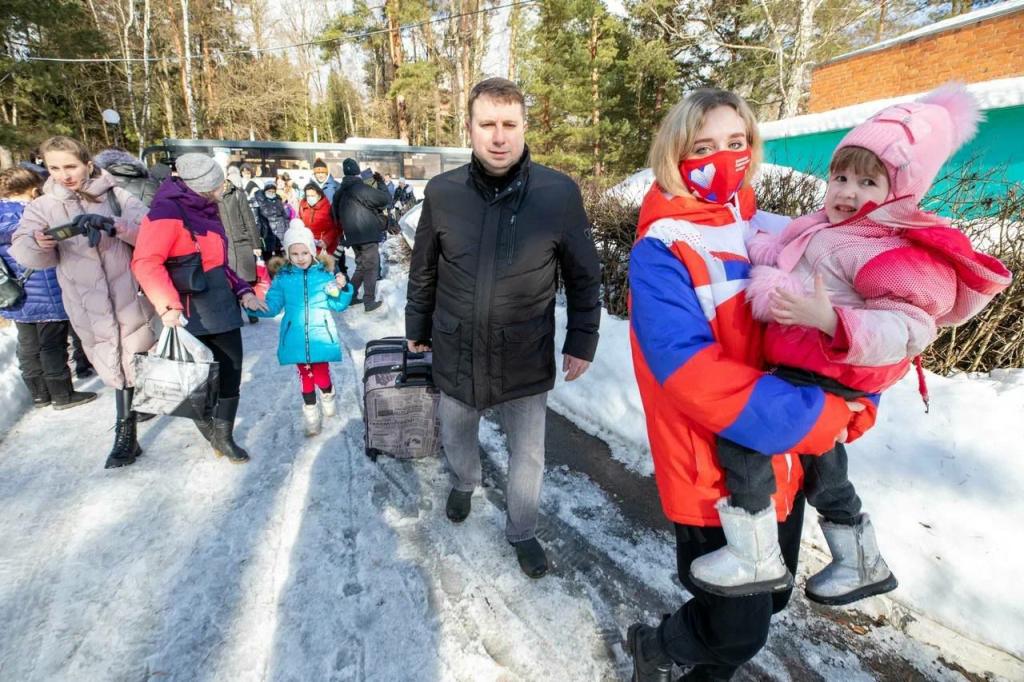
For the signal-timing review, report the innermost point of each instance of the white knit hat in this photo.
(298, 233)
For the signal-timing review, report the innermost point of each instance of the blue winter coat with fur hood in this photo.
(308, 333)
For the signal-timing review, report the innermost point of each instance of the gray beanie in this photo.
(200, 172)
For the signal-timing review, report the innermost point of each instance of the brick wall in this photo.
(972, 53)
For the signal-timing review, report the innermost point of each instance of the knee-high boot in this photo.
(223, 441)
(126, 445)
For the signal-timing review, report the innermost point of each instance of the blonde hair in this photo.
(674, 139)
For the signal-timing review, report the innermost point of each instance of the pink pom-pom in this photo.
(962, 108)
(764, 248)
(763, 281)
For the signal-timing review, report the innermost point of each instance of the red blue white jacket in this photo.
(698, 359)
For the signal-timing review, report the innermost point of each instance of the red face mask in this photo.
(716, 178)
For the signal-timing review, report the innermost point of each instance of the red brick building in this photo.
(979, 46)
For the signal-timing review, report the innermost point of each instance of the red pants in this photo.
(313, 375)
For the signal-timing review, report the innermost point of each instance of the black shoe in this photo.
(126, 445)
(650, 662)
(356, 301)
(532, 558)
(84, 373)
(223, 440)
(40, 394)
(459, 504)
(64, 396)
(253, 319)
(703, 673)
(373, 305)
(143, 417)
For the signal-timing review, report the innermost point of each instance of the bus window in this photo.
(453, 162)
(383, 162)
(275, 162)
(333, 159)
(421, 165)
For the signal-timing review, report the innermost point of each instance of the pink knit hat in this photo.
(914, 139)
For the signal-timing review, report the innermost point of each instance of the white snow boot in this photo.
(311, 419)
(857, 569)
(328, 403)
(751, 562)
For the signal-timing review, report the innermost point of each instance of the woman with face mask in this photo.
(315, 213)
(100, 294)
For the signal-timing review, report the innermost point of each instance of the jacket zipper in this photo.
(305, 307)
(512, 239)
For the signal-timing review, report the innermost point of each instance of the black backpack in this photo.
(12, 289)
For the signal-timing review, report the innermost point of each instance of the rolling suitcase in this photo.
(399, 402)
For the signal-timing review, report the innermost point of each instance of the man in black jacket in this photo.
(492, 239)
(358, 209)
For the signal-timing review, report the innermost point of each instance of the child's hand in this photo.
(251, 302)
(814, 311)
(341, 279)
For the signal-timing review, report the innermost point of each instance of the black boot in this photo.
(205, 426)
(532, 559)
(223, 441)
(40, 394)
(126, 445)
(650, 662)
(64, 395)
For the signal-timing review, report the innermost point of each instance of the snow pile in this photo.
(16, 398)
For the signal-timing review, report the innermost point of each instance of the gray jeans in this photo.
(523, 422)
(367, 269)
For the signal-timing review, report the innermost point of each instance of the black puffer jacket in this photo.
(483, 276)
(272, 216)
(356, 208)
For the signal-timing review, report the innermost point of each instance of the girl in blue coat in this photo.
(40, 319)
(307, 292)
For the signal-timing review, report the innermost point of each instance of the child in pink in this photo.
(852, 294)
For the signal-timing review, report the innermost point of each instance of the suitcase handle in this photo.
(406, 354)
(417, 372)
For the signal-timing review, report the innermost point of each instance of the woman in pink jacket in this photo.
(853, 294)
(100, 294)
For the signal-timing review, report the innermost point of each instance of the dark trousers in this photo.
(715, 633)
(751, 481)
(77, 352)
(227, 351)
(367, 269)
(43, 350)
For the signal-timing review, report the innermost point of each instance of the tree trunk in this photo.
(793, 78)
(513, 38)
(882, 11)
(146, 83)
(127, 13)
(165, 89)
(190, 106)
(397, 58)
(595, 91)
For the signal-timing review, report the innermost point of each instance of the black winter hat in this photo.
(319, 163)
(350, 167)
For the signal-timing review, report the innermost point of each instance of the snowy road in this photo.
(312, 563)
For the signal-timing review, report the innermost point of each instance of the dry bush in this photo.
(994, 338)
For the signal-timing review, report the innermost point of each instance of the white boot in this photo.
(751, 562)
(857, 569)
(328, 403)
(311, 419)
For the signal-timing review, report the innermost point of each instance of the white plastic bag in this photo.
(178, 377)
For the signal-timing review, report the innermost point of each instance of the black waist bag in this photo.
(187, 272)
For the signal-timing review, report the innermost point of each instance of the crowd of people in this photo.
(760, 344)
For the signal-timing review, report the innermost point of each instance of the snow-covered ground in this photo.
(311, 563)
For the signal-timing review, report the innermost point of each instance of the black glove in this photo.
(93, 225)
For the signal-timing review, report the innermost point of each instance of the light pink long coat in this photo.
(100, 293)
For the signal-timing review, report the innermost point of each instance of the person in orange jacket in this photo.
(315, 213)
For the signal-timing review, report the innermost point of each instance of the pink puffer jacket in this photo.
(894, 275)
(100, 293)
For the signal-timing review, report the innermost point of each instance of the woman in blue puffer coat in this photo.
(307, 293)
(40, 318)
